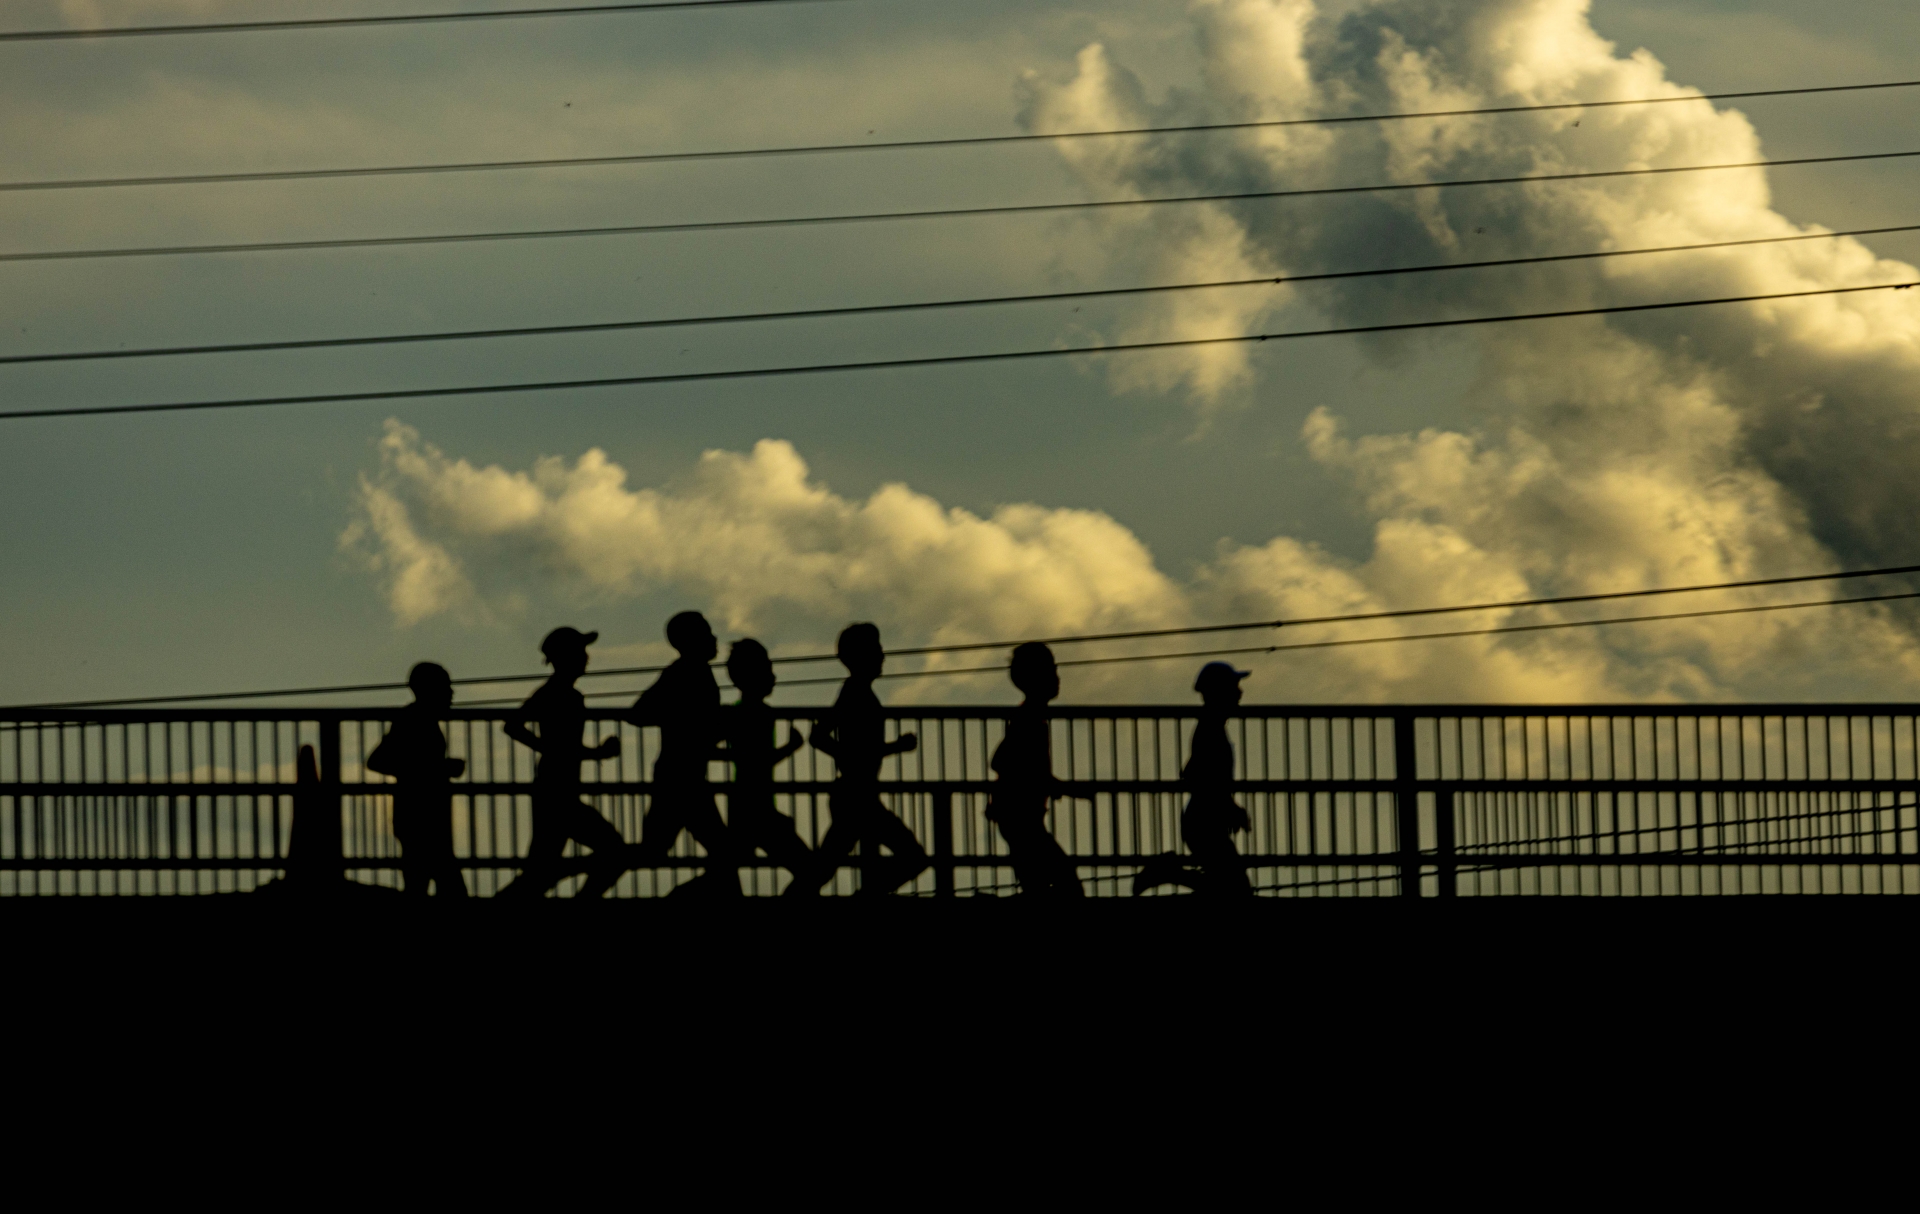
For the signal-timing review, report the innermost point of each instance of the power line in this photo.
(948, 360)
(313, 23)
(1078, 638)
(892, 145)
(1355, 618)
(1509, 628)
(326, 343)
(1242, 651)
(1412, 612)
(793, 221)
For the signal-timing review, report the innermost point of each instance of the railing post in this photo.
(943, 810)
(330, 796)
(1406, 803)
(1443, 839)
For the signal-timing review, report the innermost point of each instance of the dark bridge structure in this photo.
(1411, 802)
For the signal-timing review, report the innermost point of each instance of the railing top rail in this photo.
(76, 716)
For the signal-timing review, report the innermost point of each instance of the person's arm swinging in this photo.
(516, 728)
(825, 739)
(383, 759)
(787, 749)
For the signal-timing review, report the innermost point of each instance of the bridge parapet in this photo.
(1416, 801)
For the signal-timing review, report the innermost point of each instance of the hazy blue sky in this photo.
(204, 551)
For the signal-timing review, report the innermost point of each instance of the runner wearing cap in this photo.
(559, 814)
(1212, 817)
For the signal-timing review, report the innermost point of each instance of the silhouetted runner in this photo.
(855, 736)
(1212, 817)
(752, 818)
(414, 752)
(1024, 763)
(685, 703)
(559, 814)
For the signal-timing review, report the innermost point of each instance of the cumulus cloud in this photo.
(422, 577)
(761, 543)
(755, 537)
(1651, 449)
(1655, 449)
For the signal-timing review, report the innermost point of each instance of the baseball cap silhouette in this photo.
(566, 640)
(1218, 674)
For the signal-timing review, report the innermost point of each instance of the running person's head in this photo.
(1219, 685)
(860, 651)
(566, 651)
(1034, 673)
(431, 685)
(751, 670)
(689, 633)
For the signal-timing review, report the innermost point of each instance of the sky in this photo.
(195, 552)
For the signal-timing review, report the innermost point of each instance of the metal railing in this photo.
(1433, 801)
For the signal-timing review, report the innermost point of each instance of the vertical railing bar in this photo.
(1406, 803)
(1445, 872)
(330, 791)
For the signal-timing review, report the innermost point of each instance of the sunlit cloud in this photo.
(755, 538)
(1660, 450)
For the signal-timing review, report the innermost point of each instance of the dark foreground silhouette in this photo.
(559, 712)
(414, 752)
(1212, 817)
(855, 736)
(685, 703)
(751, 814)
(315, 871)
(1024, 763)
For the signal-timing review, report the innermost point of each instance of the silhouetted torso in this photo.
(1024, 763)
(749, 734)
(1211, 810)
(685, 703)
(561, 712)
(415, 753)
(859, 730)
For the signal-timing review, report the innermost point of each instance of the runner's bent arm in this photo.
(517, 730)
(382, 758)
(825, 739)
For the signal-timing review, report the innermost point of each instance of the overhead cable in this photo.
(940, 360)
(1503, 629)
(315, 23)
(1403, 613)
(894, 145)
(1250, 650)
(1076, 638)
(795, 221)
(327, 343)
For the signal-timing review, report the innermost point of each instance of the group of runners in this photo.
(696, 730)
